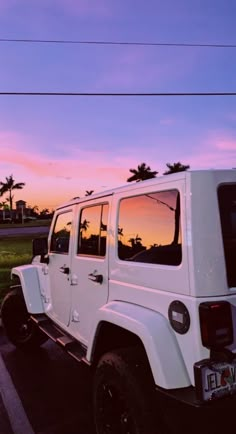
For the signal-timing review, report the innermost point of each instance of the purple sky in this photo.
(62, 146)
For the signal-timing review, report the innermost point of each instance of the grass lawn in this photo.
(14, 251)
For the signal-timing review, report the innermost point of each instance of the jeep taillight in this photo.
(216, 324)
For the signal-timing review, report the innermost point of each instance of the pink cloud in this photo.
(69, 168)
(226, 144)
(218, 150)
(208, 160)
(10, 138)
(221, 140)
(16, 151)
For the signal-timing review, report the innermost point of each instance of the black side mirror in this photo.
(40, 247)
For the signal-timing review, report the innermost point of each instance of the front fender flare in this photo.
(159, 340)
(30, 283)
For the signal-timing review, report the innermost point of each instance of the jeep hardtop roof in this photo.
(154, 181)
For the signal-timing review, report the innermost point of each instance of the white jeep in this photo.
(139, 282)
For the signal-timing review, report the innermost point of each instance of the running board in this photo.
(64, 340)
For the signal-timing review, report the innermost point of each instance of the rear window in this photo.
(149, 228)
(227, 204)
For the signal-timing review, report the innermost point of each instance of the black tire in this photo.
(19, 328)
(123, 394)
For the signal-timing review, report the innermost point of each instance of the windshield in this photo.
(227, 204)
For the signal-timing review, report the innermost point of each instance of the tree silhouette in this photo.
(176, 167)
(84, 225)
(142, 173)
(44, 212)
(120, 232)
(138, 239)
(132, 242)
(89, 192)
(34, 210)
(135, 241)
(9, 186)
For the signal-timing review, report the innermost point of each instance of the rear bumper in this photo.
(184, 414)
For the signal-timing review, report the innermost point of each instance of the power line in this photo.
(142, 44)
(119, 94)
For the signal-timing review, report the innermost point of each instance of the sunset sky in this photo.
(62, 146)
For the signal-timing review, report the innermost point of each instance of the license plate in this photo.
(214, 380)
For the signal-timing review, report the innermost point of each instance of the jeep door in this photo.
(60, 244)
(89, 266)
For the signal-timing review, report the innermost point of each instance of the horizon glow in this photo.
(62, 146)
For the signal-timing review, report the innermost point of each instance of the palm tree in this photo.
(120, 232)
(89, 192)
(142, 173)
(9, 186)
(176, 167)
(132, 242)
(135, 241)
(84, 225)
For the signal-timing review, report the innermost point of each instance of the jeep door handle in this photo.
(64, 269)
(96, 277)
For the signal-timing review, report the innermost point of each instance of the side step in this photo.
(65, 341)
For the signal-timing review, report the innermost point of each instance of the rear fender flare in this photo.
(154, 331)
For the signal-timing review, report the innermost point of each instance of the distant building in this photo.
(16, 214)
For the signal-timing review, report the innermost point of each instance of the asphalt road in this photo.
(51, 393)
(24, 231)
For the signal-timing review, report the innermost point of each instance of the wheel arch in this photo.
(120, 324)
(111, 337)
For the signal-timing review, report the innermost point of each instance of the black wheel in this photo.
(19, 328)
(122, 394)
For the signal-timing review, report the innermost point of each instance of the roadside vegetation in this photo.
(14, 251)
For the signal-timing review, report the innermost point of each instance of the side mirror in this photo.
(40, 247)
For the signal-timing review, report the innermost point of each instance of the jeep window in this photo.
(93, 230)
(149, 228)
(227, 204)
(61, 233)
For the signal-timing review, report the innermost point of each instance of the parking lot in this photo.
(44, 393)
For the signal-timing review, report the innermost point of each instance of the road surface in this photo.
(34, 230)
(44, 393)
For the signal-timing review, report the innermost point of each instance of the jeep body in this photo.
(152, 264)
